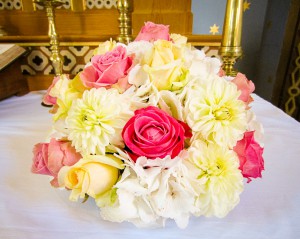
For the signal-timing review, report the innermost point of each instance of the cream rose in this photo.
(92, 175)
(166, 69)
(105, 47)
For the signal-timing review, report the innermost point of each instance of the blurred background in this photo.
(270, 37)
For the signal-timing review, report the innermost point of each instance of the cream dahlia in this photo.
(96, 120)
(214, 112)
(219, 181)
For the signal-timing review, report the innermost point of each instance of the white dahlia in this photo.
(96, 120)
(214, 112)
(220, 181)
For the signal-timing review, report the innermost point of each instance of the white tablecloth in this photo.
(31, 208)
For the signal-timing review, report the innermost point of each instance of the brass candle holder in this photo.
(56, 58)
(231, 49)
(125, 8)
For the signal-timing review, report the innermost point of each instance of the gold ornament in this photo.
(56, 58)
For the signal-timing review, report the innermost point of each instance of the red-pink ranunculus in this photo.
(48, 99)
(153, 32)
(245, 86)
(107, 69)
(153, 133)
(250, 156)
(49, 158)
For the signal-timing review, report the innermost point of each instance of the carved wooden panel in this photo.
(175, 13)
(75, 17)
(92, 18)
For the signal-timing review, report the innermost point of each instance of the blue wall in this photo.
(262, 37)
(207, 13)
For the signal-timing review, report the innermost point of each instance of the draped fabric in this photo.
(31, 208)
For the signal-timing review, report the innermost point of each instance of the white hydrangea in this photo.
(200, 65)
(256, 126)
(170, 103)
(142, 51)
(151, 191)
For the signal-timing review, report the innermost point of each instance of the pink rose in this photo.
(40, 159)
(49, 158)
(245, 86)
(153, 32)
(107, 69)
(48, 99)
(250, 155)
(221, 73)
(153, 133)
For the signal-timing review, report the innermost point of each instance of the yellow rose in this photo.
(66, 91)
(105, 47)
(77, 85)
(64, 104)
(171, 76)
(165, 52)
(93, 175)
(162, 53)
(178, 39)
(166, 69)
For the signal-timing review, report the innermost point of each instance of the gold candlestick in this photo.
(125, 9)
(231, 49)
(56, 58)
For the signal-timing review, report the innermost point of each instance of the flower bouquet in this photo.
(152, 130)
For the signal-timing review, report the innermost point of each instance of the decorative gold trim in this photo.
(27, 6)
(231, 49)
(28, 41)
(294, 89)
(77, 6)
(30, 44)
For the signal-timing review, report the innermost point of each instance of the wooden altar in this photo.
(81, 25)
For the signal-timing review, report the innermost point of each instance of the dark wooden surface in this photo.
(12, 82)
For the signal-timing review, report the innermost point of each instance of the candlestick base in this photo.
(229, 56)
(231, 49)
